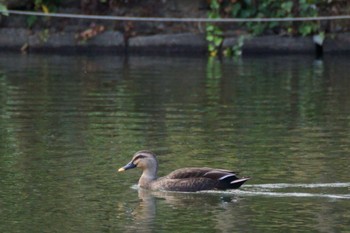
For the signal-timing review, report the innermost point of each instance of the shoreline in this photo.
(115, 42)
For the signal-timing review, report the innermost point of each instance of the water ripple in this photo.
(286, 185)
(291, 194)
(269, 190)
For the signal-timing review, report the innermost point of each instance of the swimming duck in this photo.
(190, 179)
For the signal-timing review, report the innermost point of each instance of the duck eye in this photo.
(137, 158)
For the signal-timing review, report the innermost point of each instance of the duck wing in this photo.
(184, 173)
(196, 179)
(184, 185)
(196, 172)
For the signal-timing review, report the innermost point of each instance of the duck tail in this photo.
(238, 183)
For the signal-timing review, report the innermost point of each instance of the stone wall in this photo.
(76, 35)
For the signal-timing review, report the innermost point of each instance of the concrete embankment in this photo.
(21, 39)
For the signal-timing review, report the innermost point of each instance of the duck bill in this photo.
(130, 165)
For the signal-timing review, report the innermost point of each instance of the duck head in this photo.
(145, 160)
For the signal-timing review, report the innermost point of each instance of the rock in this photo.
(184, 42)
(13, 38)
(340, 43)
(67, 42)
(60, 41)
(274, 44)
(41, 40)
(107, 39)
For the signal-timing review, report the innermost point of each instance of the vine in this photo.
(3, 8)
(214, 33)
(276, 9)
(45, 6)
(261, 9)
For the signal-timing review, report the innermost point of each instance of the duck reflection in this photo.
(145, 213)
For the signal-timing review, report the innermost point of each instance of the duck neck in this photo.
(148, 176)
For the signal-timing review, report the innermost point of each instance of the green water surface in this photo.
(69, 122)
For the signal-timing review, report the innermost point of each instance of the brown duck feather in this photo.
(189, 179)
(184, 185)
(198, 172)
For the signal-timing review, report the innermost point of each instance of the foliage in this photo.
(277, 9)
(236, 50)
(261, 9)
(3, 9)
(215, 36)
(214, 33)
(46, 6)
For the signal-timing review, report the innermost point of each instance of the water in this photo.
(69, 122)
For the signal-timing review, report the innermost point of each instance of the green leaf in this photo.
(31, 20)
(211, 47)
(305, 29)
(3, 8)
(319, 38)
(235, 9)
(214, 5)
(218, 41)
(210, 28)
(245, 13)
(287, 6)
(210, 38)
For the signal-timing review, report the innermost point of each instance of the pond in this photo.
(69, 122)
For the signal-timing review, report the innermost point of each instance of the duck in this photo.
(190, 179)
